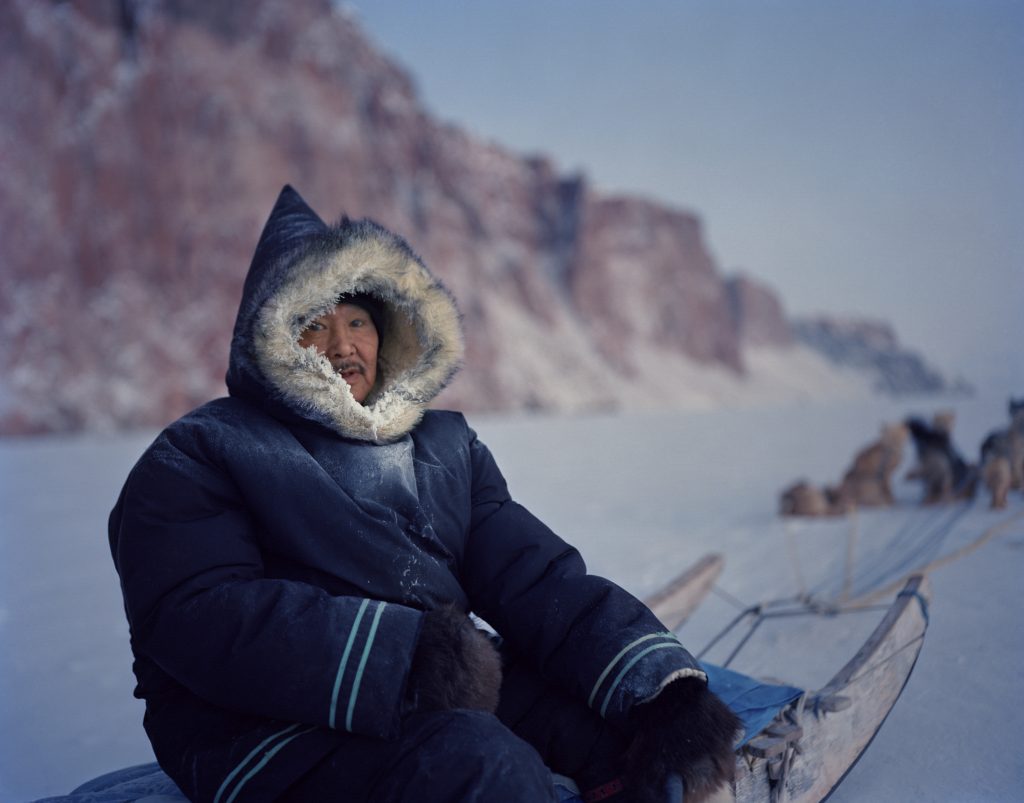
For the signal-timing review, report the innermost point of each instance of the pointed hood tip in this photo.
(291, 221)
(291, 202)
(290, 196)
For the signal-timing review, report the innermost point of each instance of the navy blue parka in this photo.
(277, 548)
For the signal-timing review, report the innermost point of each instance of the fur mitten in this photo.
(686, 730)
(455, 665)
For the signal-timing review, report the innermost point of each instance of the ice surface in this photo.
(641, 495)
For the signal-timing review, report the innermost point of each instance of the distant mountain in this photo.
(872, 347)
(143, 144)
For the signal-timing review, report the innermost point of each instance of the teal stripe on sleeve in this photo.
(270, 754)
(617, 658)
(248, 758)
(362, 665)
(344, 661)
(630, 665)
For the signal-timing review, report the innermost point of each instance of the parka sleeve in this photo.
(200, 607)
(581, 631)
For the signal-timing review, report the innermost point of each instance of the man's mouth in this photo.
(349, 370)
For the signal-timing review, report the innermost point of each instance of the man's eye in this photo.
(314, 326)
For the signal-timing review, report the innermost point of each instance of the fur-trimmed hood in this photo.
(301, 266)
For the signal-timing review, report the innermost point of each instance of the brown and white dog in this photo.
(868, 482)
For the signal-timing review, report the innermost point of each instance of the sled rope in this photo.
(779, 767)
(988, 535)
(805, 606)
(750, 632)
(851, 542)
(736, 603)
(794, 559)
(879, 664)
(794, 715)
(914, 527)
(916, 544)
(929, 545)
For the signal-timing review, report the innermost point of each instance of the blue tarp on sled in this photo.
(756, 703)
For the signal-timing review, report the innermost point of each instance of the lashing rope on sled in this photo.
(820, 704)
(884, 660)
(778, 743)
(795, 714)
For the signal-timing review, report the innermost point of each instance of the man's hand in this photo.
(455, 665)
(685, 730)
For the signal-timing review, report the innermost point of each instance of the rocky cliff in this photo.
(143, 143)
(757, 314)
(872, 347)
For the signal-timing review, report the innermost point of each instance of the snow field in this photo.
(642, 495)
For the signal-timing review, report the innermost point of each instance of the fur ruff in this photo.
(422, 348)
(687, 730)
(455, 665)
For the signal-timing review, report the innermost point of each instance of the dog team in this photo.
(940, 468)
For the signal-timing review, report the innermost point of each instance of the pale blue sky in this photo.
(861, 157)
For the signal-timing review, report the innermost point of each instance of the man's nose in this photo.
(341, 344)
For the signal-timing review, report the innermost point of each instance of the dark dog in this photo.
(945, 474)
(1002, 456)
(1007, 444)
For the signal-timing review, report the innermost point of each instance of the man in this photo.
(297, 560)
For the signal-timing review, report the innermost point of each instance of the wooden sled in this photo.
(804, 754)
(679, 598)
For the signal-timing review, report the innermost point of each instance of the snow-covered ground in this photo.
(642, 496)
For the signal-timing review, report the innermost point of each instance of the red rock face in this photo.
(140, 156)
(642, 275)
(758, 314)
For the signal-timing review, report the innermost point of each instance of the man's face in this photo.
(347, 337)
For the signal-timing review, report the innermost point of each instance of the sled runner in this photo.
(798, 745)
(679, 598)
(803, 754)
